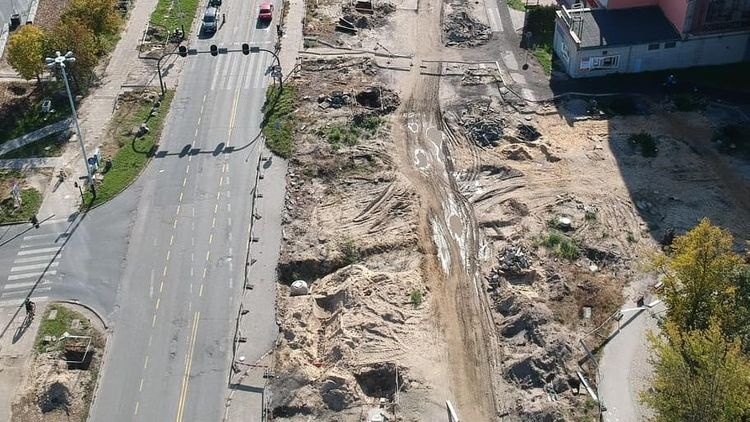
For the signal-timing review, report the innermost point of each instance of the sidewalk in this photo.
(95, 113)
(16, 344)
(247, 391)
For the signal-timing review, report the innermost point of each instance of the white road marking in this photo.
(19, 301)
(30, 275)
(38, 251)
(12, 286)
(35, 259)
(39, 236)
(34, 266)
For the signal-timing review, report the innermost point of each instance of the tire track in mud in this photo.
(447, 234)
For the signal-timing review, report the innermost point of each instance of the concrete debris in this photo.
(463, 30)
(513, 260)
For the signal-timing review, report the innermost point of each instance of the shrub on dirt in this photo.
(733, 138)
(689, 102)
(416, 298)
(621, 106)
(349, 251)
(561, 245)
(646, 142)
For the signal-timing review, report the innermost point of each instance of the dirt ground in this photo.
(56, 389)
(458, 243)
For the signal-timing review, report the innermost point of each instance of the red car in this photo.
(266, 12)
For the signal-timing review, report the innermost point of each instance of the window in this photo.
(608, 62)
(653, 46)
(669, 44)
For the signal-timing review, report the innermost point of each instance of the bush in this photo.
(416, 298)
(733, 138)
(561, 245)
(622, 106)
(688, 102)
(349, 251)
(646, 143)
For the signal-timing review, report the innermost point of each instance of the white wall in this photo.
(695, 51)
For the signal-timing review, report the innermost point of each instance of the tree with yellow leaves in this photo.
(26, 52)
(702, 277)
(699, 376)
(99, 16)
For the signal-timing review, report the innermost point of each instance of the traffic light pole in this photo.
(158, 70)
(214, 51)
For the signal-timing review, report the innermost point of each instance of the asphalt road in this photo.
(170, 354)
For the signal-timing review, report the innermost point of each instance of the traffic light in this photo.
(245, 49)
(214, 50)
(183, 51)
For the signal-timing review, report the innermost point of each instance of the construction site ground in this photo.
(459, 242)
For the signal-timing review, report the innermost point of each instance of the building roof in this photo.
(638, 25)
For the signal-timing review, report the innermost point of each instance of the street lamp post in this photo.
(59, 61)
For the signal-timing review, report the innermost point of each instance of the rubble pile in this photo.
(484, 131)
(377, 97)
(463, 30)
(364, 15)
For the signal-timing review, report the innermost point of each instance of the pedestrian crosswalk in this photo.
(33, 268)
(235, 71)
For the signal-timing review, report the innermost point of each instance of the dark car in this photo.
(210, 20)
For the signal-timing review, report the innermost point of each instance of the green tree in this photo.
(698, 376)
(701, 277)
(99, 16)
(26, 52)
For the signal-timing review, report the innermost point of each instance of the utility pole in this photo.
(59, 62)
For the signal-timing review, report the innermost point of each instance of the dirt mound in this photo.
(340, 341)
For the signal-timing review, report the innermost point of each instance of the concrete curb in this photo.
(87, 307)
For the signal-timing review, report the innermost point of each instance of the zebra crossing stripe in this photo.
(39, 251)
(30, 275)
(34, 266)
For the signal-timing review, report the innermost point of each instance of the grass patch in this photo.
(646, 142)
(362, 125)
(561, 245)
(49, 146)
(58, 326)
(278, 126)
(540, 21)
(25, 116)
(342, 134)
(174, 14)
(543, 55)
(517, 5)
(416, 298)
(134, 153)
(733, 139)
(689, 102)
(31, 200)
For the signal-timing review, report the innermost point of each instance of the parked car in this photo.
(214, 3)
(266, 12)
(210, 20)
